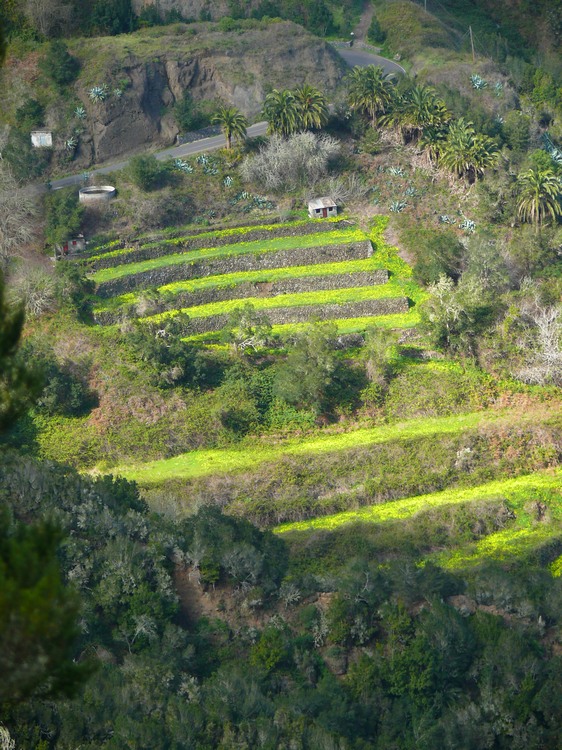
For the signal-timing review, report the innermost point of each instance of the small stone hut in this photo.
(41, 139)
(321, 208)
(72, 246)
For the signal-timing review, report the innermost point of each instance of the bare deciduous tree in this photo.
(47, 16)
(300, 159)
(36, 288)
(543, 342)
(18, 209)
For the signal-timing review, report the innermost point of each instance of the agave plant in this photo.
(478, 82)
(396, 171)
(98, 93)
(183, 166)
(118, 93)
(71, 143)
(498, 88)
(80, 113)
(468, 225)
(397, 207)
(227, 182)
(446, 219)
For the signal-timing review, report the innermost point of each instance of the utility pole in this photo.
(472, 44)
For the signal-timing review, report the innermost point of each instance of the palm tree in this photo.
(370, 91)
(540, 195)
(418, 109)
(281, 111)
(232, 123)
(312, 107)
(466, 152)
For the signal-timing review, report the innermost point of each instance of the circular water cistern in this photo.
(96, 194)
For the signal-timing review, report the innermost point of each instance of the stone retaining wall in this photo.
(258, 289)
(196, 243)
(234, 263)
(304, 313)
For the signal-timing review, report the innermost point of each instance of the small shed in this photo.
(321, 208)
(41, 139)
(70, 247)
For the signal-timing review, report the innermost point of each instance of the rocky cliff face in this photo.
(237, 68)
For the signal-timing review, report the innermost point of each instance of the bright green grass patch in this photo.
(339, 236)
(235, 232)
(400, 509)
(323, 297)
(499, 546)
(409, 319)
(387, 254)
(230, 280)
(254, 452)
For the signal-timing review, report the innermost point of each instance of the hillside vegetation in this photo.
(289, 483)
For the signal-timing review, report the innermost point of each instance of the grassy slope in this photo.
(208, 462)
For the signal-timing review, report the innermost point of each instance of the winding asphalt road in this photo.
(352, 56)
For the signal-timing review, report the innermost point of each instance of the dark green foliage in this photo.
(65, 390)
(38, 615)
(314, 15)
(18, 382)
(172, 361)
(64, 215)
(30, 115)
(146, 172)
(59, 64)
(516, 131)
(436, 252)
(191, 115)
(73, 288)
(375, 33)
(112, 17)
(26, 163)
(233, 549)
(308, 372)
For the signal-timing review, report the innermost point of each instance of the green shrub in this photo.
(64, 215)
(59, 64)
(30, 115)
(375, 33)
(437, 252)
(146, 172)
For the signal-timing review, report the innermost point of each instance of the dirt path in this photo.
(362, 27)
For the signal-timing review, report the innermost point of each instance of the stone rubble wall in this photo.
(148, 252)
(304, 313)
(255, 289)
(233, 264)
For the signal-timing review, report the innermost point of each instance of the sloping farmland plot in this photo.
(256, 247)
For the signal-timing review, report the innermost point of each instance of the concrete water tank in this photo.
(96, 194)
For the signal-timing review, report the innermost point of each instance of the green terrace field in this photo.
(456, 528)
(266, 276)
(274, 244)
(403, 482)
(394, 321)
(179, 239)
(337, 296)
(208, 462)
(516, 490)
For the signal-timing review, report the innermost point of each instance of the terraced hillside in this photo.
(463, 459)
(295, 272)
